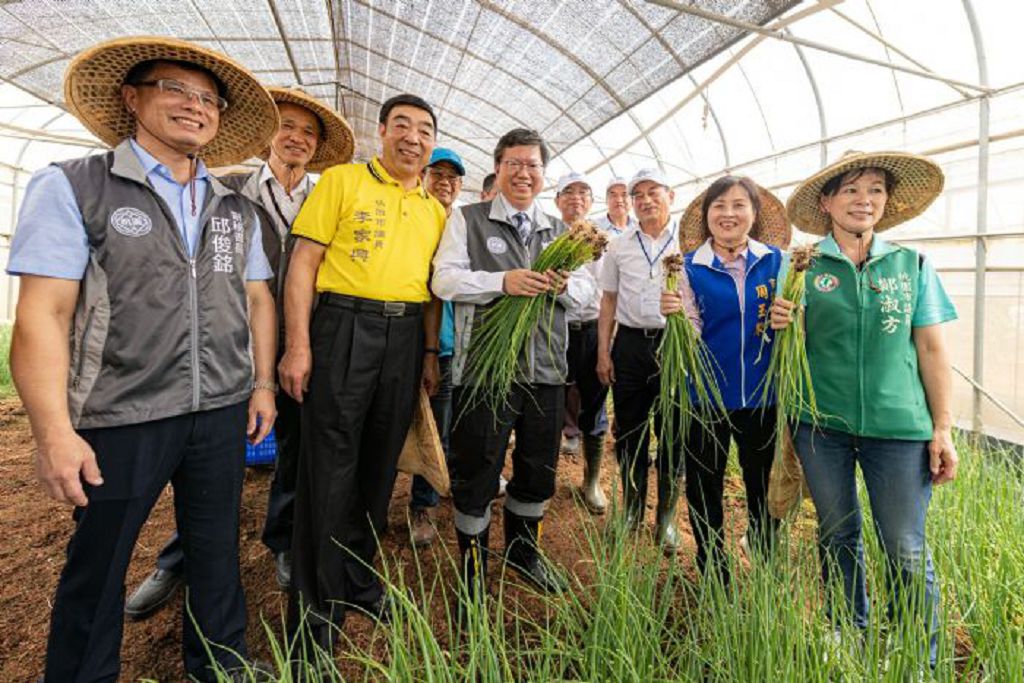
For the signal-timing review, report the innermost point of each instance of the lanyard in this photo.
(652, 261)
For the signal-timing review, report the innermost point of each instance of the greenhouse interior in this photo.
(770, 89)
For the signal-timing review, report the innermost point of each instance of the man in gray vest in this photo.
(156, 270)
(485, 253)
(312, 137)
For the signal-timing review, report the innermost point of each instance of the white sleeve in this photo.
(453, 280)
(609, 278)
(580, 289)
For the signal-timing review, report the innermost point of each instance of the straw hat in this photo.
(92, 92)
(918, 182)
(770, 227)
(337, 144)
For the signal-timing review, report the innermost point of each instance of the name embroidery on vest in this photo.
(228, 240)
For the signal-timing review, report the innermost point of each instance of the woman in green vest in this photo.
(881, 375)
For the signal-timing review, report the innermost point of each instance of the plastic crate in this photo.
(264, 453)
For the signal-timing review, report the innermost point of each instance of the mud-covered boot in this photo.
(522, 538)
(593, 496)
(666, 533)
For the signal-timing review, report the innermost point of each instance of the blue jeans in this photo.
(423, 494)
(899, 489)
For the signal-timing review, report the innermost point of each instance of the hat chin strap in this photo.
(291, 171)
(192, 154)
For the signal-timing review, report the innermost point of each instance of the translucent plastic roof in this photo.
(564, 68)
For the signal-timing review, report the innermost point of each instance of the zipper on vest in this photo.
(81, 348)
(193, 303)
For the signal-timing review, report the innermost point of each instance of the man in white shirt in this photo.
(617, 220)
(485, 253)
(632, 278)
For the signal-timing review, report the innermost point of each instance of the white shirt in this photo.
(282, 208)
(632, 269)
(454, 281)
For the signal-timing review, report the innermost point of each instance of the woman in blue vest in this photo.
(732, 265)
(881, 376)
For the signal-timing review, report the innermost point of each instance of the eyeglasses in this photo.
(516, 165)
(452, 178)
(182, 93)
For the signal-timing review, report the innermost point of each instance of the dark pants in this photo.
(362, 392)
(634, 393)
(423, 494)
(277, 530)
(202, 455)
(707, 449)
(590, 417)
(479, 440)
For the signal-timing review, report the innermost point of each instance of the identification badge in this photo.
(650, 300)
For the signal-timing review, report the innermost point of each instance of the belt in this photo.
(387, 309)
(646, 332)
(578, 325)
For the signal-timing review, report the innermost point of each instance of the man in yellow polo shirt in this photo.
(367, 234)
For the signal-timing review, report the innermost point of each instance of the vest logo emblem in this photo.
(131, 222)
(826, 282)
(496, 245)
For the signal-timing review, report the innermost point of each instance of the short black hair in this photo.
(489, 181)
(832, 186)
(407, 99)
(723, 185)
(520, 137)
(143, 71)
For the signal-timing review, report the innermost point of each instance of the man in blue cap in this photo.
(442, 178)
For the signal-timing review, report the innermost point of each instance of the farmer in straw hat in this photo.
(157, 270)
(881, 374)
(732, 233)
(312, 137)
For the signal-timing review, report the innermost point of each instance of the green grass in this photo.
(638, 617)
(6, 384)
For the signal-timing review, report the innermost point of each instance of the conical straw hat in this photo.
(770, 227)
(92, 92)
(337, 143)
(918, 182)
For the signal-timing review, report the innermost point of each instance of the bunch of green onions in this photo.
(684, 362)
(789, 374)
(499, 343)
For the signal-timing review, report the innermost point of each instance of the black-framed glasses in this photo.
(516, 165)
(181, 92)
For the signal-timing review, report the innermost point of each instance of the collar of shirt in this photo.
(879, 247)
(378, 171)
(510, 211)
(300, 190)
(606, 224)
(667, 233)
(151, 165)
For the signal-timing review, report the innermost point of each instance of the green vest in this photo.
(859, 344)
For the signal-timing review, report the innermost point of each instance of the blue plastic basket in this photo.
(264, 453)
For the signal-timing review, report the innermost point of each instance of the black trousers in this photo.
(479, 439)
(277, 530)
(203, 456)
(362, 392)
(634, 393)
(582, 361)
(707, 450)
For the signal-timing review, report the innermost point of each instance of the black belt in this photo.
(577, 326)
(388, 309)
(646, 332)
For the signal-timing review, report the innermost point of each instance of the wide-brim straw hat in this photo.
(919, 181)
(770, 227)
(337, 142)
(92, 92)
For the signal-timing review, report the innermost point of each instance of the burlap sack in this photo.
(422, 453)
(786, 487)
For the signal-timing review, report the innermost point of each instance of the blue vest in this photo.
(734, 336)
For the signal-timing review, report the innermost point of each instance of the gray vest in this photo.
(493, 246)
(157, 333)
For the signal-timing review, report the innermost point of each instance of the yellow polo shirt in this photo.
(380, 238)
